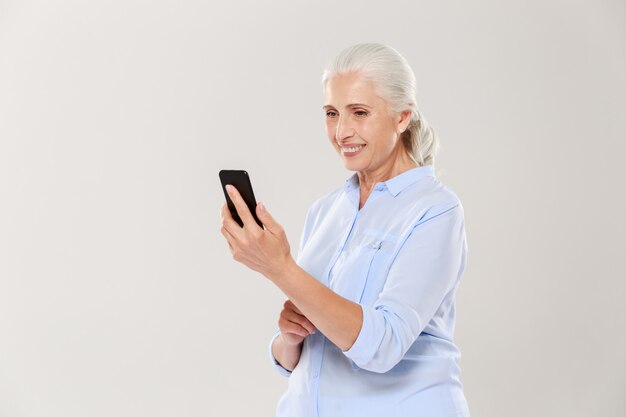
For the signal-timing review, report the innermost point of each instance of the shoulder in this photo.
(430, 198)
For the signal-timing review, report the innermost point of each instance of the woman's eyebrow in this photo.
(328, 106)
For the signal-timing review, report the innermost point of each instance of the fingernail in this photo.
(229, 188)
(262, 207)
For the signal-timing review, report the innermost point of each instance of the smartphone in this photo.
(241, 181)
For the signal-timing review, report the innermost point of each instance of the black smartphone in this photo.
(241, 181)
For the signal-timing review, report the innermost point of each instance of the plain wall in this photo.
(118, 295)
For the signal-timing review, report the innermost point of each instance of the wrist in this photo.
(287, 347)
(282, 274)
(288, 355)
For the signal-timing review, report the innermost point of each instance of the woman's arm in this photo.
(268, 252)
(294, 328)
(338, 318)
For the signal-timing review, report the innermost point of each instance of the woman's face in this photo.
(360, 125)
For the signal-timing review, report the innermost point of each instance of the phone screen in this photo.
(241, 181)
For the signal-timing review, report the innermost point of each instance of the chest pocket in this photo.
(361, 270)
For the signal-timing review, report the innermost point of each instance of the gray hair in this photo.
(395, 83)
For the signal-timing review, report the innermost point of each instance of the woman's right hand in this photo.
(293, 325)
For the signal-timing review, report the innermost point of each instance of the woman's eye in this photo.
(360, 113)
(331, 114)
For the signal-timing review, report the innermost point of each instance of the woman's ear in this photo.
(405, 119)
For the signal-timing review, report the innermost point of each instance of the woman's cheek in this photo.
(330, 132)
(328, 128)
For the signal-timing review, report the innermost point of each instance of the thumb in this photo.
(267, 219)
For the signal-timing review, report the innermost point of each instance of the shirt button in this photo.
(316, 374)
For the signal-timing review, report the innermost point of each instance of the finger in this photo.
(292, 313)
(292, 339)
(266, 218)
(225, 212)
(302, 321)
(229, 223)
(305, 324)
(299, 330)
(241, 207)
(291, 306)
(230, 239)
(291, 327)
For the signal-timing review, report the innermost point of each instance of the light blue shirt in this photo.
(401, 258)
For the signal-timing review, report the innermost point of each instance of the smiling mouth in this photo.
(352, 149)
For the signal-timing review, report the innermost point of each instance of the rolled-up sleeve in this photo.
(277, 366)
(425, 270)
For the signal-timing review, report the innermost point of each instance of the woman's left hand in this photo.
(265, 251)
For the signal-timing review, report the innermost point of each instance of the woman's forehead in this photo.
(350, 89)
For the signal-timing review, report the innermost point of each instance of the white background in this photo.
(118, 295)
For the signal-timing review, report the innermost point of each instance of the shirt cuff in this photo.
(277, 366)
(366, 344)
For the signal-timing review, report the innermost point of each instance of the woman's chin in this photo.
(351, 165)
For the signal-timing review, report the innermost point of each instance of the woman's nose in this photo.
(344, 129)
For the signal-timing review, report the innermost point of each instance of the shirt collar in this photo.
(398, 183)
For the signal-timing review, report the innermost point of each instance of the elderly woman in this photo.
(367, 329)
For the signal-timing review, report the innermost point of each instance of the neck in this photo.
(367, 179)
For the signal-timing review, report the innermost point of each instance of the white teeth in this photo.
(354, 149)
